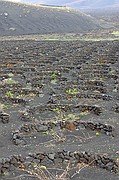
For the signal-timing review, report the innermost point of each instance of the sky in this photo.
(60, 2)
(49, 2)
(73, 3)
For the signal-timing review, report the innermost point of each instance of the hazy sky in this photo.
(11, 0)
(64, 2)
(74, 3)
(60, 2)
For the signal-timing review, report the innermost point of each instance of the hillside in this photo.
(110, 15)
(21, 19)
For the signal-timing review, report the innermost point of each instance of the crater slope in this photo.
(22, 19)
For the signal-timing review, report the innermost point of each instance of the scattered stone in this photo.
(51, 156)
(116, 108)
(4, 117)
(17, 138)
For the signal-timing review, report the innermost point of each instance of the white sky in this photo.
(11, 0)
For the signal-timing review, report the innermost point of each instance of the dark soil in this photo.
(59, 110)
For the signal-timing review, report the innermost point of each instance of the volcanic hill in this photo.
(24, 19)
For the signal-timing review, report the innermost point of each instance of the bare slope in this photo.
(19, 19)
(110, 15)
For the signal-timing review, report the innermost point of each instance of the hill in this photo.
(110, 15)
(21, 19)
